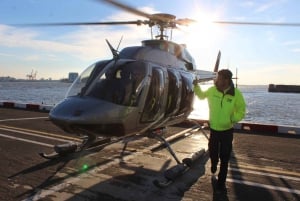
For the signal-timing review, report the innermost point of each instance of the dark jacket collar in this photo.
(230, 91)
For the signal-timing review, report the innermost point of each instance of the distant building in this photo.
(5, 79)
(72, 77)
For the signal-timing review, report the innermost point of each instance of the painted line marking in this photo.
(26, 140)
(265, 168)
(265, 174)
(36, 135)
(42, 193)
(43, 133)
(266, 186)
(21, 119)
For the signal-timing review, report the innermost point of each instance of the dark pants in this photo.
(220, 146)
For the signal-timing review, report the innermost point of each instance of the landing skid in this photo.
(62, 150)
(49, 156)
(91, 143)
(174, 172)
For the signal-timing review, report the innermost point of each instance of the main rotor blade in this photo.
(258, 23)
(137, 22)
(185, 21)
(127, 8)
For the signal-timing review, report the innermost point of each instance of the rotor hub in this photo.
(162, 20)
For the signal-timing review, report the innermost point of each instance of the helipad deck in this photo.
(262, 167)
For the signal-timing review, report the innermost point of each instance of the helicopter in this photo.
(140, 91)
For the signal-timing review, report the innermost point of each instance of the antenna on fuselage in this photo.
(113, 50)
(119, 43)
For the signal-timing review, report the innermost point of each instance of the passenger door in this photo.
(156, 97)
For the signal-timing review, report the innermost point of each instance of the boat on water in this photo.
(284, 88)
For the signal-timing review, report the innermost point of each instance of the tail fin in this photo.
(217, 62)
(202, 75)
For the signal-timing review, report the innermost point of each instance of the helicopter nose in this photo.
(65, 113)
(77, 113)
(75, 110)
(66, 110)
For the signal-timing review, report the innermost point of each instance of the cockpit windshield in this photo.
(81, 83)
(120, 83)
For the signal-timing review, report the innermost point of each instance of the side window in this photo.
(154, 100)
(187, 94)
(174, 90)
(130, 83)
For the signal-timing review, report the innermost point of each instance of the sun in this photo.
(204, 30)
(203, 38)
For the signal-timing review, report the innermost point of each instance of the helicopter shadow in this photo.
(136, 183)
(59, 164)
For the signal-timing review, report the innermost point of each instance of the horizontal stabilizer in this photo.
(203, 76)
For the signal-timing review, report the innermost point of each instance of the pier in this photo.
(264, 165)
(284, 88)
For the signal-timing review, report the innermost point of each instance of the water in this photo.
(262, 106)
(47, 93)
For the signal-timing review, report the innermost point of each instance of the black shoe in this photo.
(214, 180)
(221, 188)
(213, 169)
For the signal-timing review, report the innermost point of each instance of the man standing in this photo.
(226, 107)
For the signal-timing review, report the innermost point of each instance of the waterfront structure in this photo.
(72, 76)
(284, 88)
(8, 78)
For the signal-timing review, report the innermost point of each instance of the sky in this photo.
(260, 54)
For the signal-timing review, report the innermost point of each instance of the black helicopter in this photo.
(140, 91)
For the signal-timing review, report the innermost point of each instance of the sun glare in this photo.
(203, 38)
(204, 30)
(201, 110)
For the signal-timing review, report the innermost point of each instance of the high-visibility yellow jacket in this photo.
(225, 109)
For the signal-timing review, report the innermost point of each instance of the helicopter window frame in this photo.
(187, 94)
(174, 91)
(155, 98)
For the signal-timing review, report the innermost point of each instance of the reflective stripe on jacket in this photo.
(225, 109)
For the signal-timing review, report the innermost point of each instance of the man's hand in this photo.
(195, 82)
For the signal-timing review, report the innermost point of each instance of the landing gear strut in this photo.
(181, 167)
